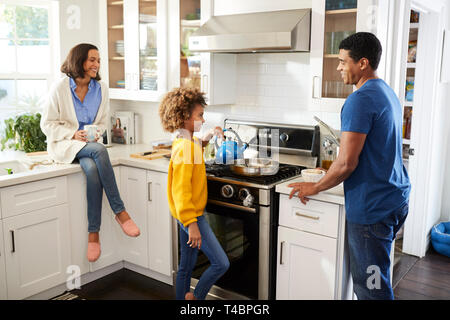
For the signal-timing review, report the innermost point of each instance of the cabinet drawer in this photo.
(33, 196)
(316, 216)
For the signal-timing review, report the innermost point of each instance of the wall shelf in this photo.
(341, 11)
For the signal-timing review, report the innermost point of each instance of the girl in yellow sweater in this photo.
(181, 111)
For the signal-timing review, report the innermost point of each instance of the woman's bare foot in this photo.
(94, 237)
(189, 296)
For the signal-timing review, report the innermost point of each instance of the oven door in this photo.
(237, 230)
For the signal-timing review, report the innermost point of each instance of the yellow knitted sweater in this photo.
(187, 187)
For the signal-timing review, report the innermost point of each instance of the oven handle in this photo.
(231, 205)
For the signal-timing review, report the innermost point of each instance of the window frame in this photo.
(53, 39)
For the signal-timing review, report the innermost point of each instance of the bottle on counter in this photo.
(329, 154)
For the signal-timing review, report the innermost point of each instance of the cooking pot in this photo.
(255, 167)
(230, 150)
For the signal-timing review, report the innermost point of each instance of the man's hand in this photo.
(195, 238)
(80, 135)
(304, 189)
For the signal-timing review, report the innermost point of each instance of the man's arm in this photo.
(346, 162)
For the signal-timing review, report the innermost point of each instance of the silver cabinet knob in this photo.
(411, 152)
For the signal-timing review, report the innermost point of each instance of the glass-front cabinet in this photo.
(333, 21)
(340, 22)
(136, 43)
(116, 49)
(190, 62)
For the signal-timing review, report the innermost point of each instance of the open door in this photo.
(424, 156)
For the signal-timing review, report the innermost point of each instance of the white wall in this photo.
(78, 21)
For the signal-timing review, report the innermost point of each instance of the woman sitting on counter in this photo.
(76, 101)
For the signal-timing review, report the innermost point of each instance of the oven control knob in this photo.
(227, 191)
(284, 137)
(243, 193)
(248, 201)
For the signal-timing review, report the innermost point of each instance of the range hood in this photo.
(273, 31)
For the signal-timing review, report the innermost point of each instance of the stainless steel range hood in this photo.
(274, 31)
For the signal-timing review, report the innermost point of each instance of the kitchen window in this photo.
(26, 55)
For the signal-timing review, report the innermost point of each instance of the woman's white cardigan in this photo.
(59, 121)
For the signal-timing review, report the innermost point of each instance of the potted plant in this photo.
(24, 133)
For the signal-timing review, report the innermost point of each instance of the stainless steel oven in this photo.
(243, 213)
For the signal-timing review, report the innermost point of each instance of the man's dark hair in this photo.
(363, 45)
(73, 65)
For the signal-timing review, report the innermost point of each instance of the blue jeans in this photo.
(212, 249)
(94, 160)
(369, 253)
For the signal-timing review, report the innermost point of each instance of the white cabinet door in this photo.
(134, 195)
(218, 71)
(306, 265)
(3, 292)
(37, 249)
(159, 224)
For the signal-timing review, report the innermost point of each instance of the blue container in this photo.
(340, 4)
(440, 238)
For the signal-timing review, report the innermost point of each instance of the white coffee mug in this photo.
(93, 132)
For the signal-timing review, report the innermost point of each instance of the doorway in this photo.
(413, 69)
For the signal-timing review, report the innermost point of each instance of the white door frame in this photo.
(426, 195)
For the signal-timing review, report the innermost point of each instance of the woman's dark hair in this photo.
(73, 66)
(363, 45)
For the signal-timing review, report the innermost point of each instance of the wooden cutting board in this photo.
(156, 154)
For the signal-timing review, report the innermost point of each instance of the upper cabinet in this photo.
(134, 48)
(333, 21)
(190, 62)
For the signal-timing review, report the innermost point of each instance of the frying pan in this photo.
(255, 167)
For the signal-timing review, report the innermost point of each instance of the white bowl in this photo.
(312, 175)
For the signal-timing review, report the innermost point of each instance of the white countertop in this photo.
(334, 195)
(119, 155)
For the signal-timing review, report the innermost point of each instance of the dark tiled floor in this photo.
(424, 279)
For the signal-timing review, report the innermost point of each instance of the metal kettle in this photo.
(230, 150)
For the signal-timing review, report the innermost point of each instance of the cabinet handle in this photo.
(314, 86)
(205, 83)
(306, 216)
(149, 187)
(12, 238)
(281, 252)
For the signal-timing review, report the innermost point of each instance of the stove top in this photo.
(223, 172)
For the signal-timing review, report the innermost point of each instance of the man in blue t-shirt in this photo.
(376, 184)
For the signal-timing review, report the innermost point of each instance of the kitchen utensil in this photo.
(230, 150)
(151, 155)
(334, 137)
(255, 167)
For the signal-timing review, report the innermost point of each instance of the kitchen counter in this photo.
(119, 155)
(334, 195)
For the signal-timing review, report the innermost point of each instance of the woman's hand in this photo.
(80, 135)
(195, 238)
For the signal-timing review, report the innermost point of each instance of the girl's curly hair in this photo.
(177, 106)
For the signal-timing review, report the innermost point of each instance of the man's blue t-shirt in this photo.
(380, 183)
